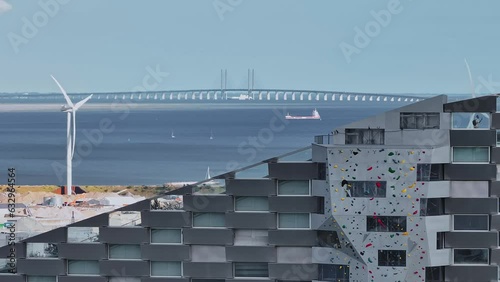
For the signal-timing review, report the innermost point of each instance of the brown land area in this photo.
(145, 191)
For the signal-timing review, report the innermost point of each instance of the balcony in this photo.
(440, 257)
(323, 139)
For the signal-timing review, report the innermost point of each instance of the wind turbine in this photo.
(71, 109)
(471, 124)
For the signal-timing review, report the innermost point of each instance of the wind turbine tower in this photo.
(70, 109)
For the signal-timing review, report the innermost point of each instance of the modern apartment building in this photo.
(407, 195)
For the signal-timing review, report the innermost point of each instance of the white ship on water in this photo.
(242, 97)
(315, 115)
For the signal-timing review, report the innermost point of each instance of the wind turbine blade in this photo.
(470, 79)
(79, 104)
(68, 100)
(74, 133)
(470, 124)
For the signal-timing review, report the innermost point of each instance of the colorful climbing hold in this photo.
(391, 170)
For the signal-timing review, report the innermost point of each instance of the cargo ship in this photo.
(315, 115)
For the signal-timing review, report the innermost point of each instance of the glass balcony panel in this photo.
(125, 219)
(83, 234)
(167, 203)
(42, 250)
(210, 187)
(5, 266)
(470, 121)
(303, 155)
(255, 172)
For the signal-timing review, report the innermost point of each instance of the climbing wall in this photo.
(398, 169)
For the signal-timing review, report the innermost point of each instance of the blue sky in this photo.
(96, 46)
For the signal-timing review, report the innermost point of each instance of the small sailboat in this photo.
(173, 136)
(211, 135)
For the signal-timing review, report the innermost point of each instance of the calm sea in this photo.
(138, 148)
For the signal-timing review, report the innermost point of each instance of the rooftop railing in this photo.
(323, 139)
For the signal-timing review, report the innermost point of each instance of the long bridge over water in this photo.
(214, 95)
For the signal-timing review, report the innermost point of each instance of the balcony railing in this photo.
(323, 139)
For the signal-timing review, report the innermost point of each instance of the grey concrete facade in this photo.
(419, 203)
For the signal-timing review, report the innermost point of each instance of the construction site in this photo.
(39, 209)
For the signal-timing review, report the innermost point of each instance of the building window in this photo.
(386, 223)
(251, 204)
(430, 172)
(333, 272)
(251, 237)
(124, 252)
(470, 256)
(294, 188)
(328, 239)
(367, 189)
(391, 258)
(471, 154)
(439, 240)
(124, 279)
(251, 269)
(83, 267)
(470, 120)
(42, 250)
(83, 234)
(166, 268)
(364, 136)
(166, 236)
(209, 219)
(431, 206)
(434, 274)
(419, 120)
(471, 222)
(41, 279)
(321, 171)
(498, 138)
(294, 220)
